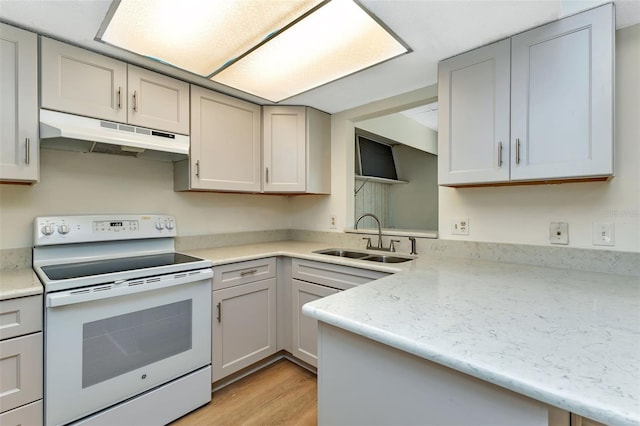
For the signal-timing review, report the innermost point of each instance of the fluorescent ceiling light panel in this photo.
(338, 39)
(199, 36)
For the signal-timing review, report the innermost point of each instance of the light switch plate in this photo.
(559, 233)
(603, 234)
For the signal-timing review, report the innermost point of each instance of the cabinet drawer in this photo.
(336, 276)
(20, 316)
(30, 415)
(243, 272)
(21, 366)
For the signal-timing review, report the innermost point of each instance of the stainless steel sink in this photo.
(381, 258)
(386, 258)
(343, 253)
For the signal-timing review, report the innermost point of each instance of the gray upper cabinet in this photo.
(225, 145)
(19, 161)
(296, 150)
(81, 82)
(558, 81)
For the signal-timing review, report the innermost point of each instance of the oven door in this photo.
(104, 344)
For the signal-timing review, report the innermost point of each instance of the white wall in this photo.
(401, 128)
(76, 183)
(519, 214)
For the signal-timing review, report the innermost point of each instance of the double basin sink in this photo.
(360, 255)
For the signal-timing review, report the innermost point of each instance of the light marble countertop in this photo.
(19, 283)
(568, 338)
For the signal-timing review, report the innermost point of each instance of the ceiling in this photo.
(434, 30)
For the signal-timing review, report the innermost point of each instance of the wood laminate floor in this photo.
(280, 394)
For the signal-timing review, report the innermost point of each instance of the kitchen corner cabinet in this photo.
(296, 150)
(311, 281)
(82, 82)
(19, 143)
(225, 145)
(558, 81)
(243, 316)
(21, 366)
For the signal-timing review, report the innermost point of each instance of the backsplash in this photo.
(605, 261)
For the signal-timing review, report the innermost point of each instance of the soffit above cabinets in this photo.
(434, 30)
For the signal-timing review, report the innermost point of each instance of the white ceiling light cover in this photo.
(338, 39)
(199, 36)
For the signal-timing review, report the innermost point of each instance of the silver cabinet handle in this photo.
(267, 175)
(119, 97)
(219, 306)
(517, 151)
(249, 272)
(135, 101)
(499, 154)
(198, 168)
(27, 151)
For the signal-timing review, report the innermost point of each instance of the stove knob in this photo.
(47, 229)
(159, 226)
(63, 229)
(169, 224)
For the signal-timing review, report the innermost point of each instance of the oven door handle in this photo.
(122, 288)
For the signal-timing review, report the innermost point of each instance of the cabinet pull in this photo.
(219, 306)
(267, 175)
(249, 272)
(119, 97)
(499, 154)
(27, 151)
(198, 168)
(517, 151)
(135, 101)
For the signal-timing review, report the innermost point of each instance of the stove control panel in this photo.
(53, 230)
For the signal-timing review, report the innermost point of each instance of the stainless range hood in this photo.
(70, 132)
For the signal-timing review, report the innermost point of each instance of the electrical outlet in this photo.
(559, 233)
(460, 227)
(333, 222)
(603, 234)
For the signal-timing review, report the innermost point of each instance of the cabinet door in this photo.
(562, 98)
(305, 329)
(225, 142)
(21, 366)
(19, 112)
(157, 101)
(285, 149)
(244, 326)
(473, 123)
(77, 81)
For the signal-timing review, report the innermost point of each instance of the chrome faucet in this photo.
(369, 246)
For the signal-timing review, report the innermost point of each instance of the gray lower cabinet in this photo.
(244, 315)
(311, 281)
(21, 361)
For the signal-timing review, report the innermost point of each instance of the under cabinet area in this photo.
(225, 145)
(296, 150)
(19, 143)
(21, 347)
(82, 82)
(535, 107)
(311, 281)
(243, 315)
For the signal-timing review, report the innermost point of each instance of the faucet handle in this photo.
(368, 242)
(392, 247)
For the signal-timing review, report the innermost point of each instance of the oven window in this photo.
(123, 343)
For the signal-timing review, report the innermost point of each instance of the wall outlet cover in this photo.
(333, 222)
(603, 234)
(559, 233)
(460, 227)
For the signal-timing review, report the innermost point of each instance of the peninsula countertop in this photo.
(568, 338)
